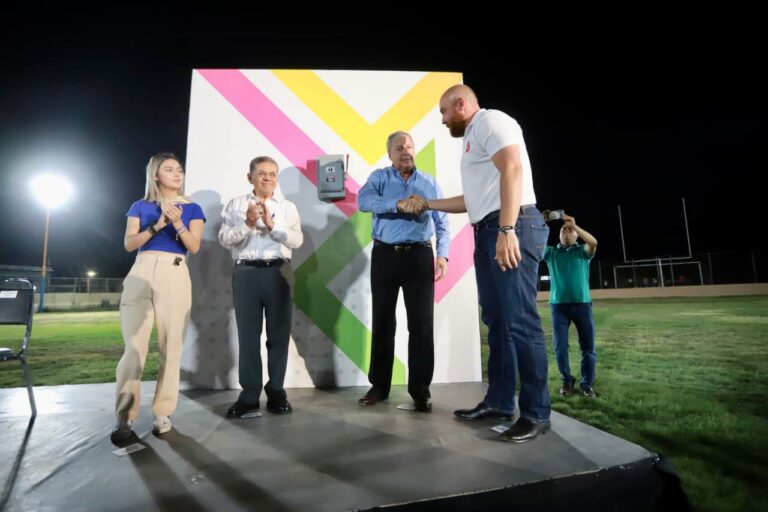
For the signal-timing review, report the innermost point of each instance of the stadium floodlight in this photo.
(52, 191)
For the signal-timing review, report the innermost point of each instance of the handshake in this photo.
(414, 205)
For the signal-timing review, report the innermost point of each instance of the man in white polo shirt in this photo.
(510, 237)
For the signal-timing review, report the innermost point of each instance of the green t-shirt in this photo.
(568, 273)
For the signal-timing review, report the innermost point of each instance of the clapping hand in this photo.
(172, 213)
(266, 216)
(254, 212)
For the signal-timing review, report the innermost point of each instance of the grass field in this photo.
(684, 377)
(71, 348)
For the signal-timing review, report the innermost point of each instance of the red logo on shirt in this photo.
(467, 150)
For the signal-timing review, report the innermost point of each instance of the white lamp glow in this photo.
(51, 190)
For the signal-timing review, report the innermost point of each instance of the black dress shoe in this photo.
(372, 397)
(525, 430)
(422, 405)
(481, 411)
(243, 410)
(279, 406)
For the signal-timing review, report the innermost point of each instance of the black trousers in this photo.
(412, 270)
(260, 293)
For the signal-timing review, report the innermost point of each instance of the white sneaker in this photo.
(122, 431)
(161, 425)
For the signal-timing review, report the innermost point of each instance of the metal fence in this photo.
(707, 268)
(84, 285)
(702, 269)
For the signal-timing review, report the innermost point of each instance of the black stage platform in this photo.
(330, 454)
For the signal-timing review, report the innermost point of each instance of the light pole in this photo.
(51, 191)
(90, 275)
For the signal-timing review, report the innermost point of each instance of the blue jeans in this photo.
(580, 313)
(508, 299)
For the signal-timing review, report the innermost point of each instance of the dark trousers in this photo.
(258, 293)
(413, 270)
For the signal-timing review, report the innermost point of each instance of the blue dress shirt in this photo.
(380, 194)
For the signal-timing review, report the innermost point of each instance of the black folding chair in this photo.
(17, 297)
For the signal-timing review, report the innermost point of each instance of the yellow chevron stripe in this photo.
(365, 138)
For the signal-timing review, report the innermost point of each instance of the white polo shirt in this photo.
(487, 133)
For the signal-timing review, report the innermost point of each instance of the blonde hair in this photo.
(152, 191)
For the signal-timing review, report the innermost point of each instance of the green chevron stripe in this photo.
(425, 159)
(312, 296)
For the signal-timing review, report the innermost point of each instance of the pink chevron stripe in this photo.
(460, 259)
(283, 133)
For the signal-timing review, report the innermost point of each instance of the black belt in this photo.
(260, 263)
(402, 247)
(493, 217)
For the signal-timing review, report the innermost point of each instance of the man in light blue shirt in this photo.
(402, 257)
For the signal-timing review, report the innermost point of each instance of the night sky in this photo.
(630, 118)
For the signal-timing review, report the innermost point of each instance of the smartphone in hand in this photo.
(555, 215)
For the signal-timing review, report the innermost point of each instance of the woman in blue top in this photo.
(163, 226)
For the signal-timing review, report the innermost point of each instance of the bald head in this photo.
(458, 105)
(461, 91)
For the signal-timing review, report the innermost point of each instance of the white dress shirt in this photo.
(259, 243)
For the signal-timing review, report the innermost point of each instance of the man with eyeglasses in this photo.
(261, 229)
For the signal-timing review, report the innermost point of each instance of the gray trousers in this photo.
(259, 293)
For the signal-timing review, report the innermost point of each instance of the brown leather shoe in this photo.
(372, 397)
(567, 389)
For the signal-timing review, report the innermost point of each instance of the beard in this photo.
(457, 128)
